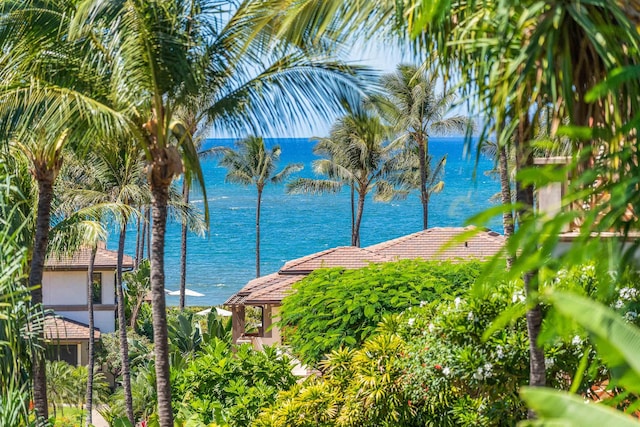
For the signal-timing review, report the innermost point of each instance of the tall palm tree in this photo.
(113, 175)
(357, 153)
(251, 163)
(413, 107)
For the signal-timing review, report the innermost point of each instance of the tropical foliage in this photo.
(336, 307)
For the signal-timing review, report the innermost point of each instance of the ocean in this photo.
(293, 226)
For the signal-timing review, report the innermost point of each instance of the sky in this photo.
(381, 56)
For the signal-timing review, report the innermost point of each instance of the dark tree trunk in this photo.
(43, 218)
(160, 193)
(424, 196)
(183, 248)
(353, 214)
(505, 190)
(92, 328)
(524, 196)
(258, 232)
(355, 241)
(138, 241)
(149, 225)
(122, 327)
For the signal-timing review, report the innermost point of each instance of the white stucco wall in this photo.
(104, 320)
(70, 287)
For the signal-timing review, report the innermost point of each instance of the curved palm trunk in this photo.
(43, 218)
(524, 196)
(353, 214)
(122, 327)
(424, 196)
(505, 190)
(258, 232)
(355, 239)
(138, 241)
(183, 248)
(160, 193)
(92, 327)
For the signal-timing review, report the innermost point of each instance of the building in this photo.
(64, 290)
(267, 292)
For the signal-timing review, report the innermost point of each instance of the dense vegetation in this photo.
(117, 77)
(337, 307)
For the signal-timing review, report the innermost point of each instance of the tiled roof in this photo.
(80, 260)
(61, 328)
(274, 287)
(428, 244)
(343, 256)
(424, 244)
(261, 283)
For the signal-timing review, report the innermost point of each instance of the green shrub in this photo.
(228, 388)
(336, 307)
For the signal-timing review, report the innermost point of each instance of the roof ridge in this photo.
(287, 265)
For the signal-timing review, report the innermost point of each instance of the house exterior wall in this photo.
(66, 292)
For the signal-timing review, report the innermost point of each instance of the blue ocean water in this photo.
(296, 225)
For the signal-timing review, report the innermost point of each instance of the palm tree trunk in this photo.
(92, 327)
(138, 241)
(160, 193)
(505, 190)
(143, 237)
(43, 218)
(149, 225)
(122, 327)
(183, 247)
(424, 196)
(258, 232)
(353, 215)
(355, 241)
(524, 196)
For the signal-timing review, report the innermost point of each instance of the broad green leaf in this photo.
(560, 408)
(621, 339)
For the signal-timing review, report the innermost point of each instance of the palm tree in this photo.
(356, 154)
(251, 163)
(113, 176)
(413, 107)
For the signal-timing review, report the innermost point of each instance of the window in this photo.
(97, 288)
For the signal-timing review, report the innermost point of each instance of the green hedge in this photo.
(337, 307)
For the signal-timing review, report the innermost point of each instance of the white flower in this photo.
(479, 374)
(549, 362)
(471, 317)
(446, 371)
(628, 293)
(487, 370)
(499, 352)
(518, 296)
(619, 303)
(423, 303)
(576, 341)
(457, 302)
(411, 321)
(630, 316)
(431, 327)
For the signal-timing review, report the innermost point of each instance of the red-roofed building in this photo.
(438, 243)
(64, 290)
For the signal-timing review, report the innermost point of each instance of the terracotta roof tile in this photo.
(80, 260)
(259, 284)
(427, 244)
(61, 328)
(343, 256)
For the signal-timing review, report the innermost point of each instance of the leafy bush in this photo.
(457, 362)
(336, 307)
(216, 385)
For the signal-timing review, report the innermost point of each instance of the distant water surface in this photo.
(296, 225)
